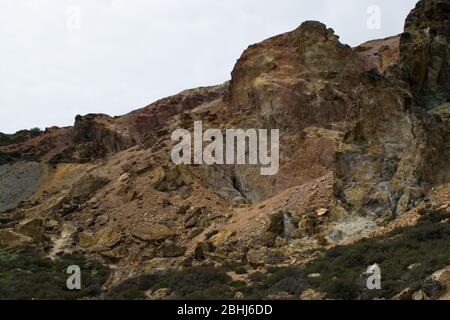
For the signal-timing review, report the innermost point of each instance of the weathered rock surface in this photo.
(10, 240)
(152, 232)
(311, 294)
(365, 143)
(437, 286)
(18, 182)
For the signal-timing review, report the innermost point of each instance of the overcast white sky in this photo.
(124, 54)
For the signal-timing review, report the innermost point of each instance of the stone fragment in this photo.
(152, 232)
(10, 240)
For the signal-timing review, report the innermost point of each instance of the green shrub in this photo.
(35, 131)
(342, 289)
(257, 277)
(240, 270)
(191, 283)
(238, 283)
(28, 276)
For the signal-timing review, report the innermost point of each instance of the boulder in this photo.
(170, 178)
(87, 239)
(159, 294)
(67, 230)
(183, 209)
(193, 217)
(306, 227)
(191, 221)
(10, 240)
(152, 232)
(33, 228)
(87, 186)
(132, 196)
(202, 249)
(221, 238)
(415, 266)
(322, 212)
(419, 296)
(432, 288)
(101, 220)
(239, 296)
(351, 228)
(437, 286)
(311, 294)
(211, 234)
(51, 225)
(107, 238)
(406, 294)
(276, 225)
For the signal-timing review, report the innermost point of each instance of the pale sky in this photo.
(60, 58)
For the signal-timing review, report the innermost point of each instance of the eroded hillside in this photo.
(364, 150)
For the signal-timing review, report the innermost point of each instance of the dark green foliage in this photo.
(7, 139)
(35, 131)
(291, 280)
(427, 243)
(344, 289)
(257, 277)
(134, 288)
(28, 276)
(203, 282)
(276, 224)
(191, 284)
(240, 270)
(237, 283)
(6, 157)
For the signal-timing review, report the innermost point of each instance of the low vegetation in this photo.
(426, 245)
(27, 276)
(18, 137)
(202, 283)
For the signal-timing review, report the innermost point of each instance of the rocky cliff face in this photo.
(403, 117)
(364, 148)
